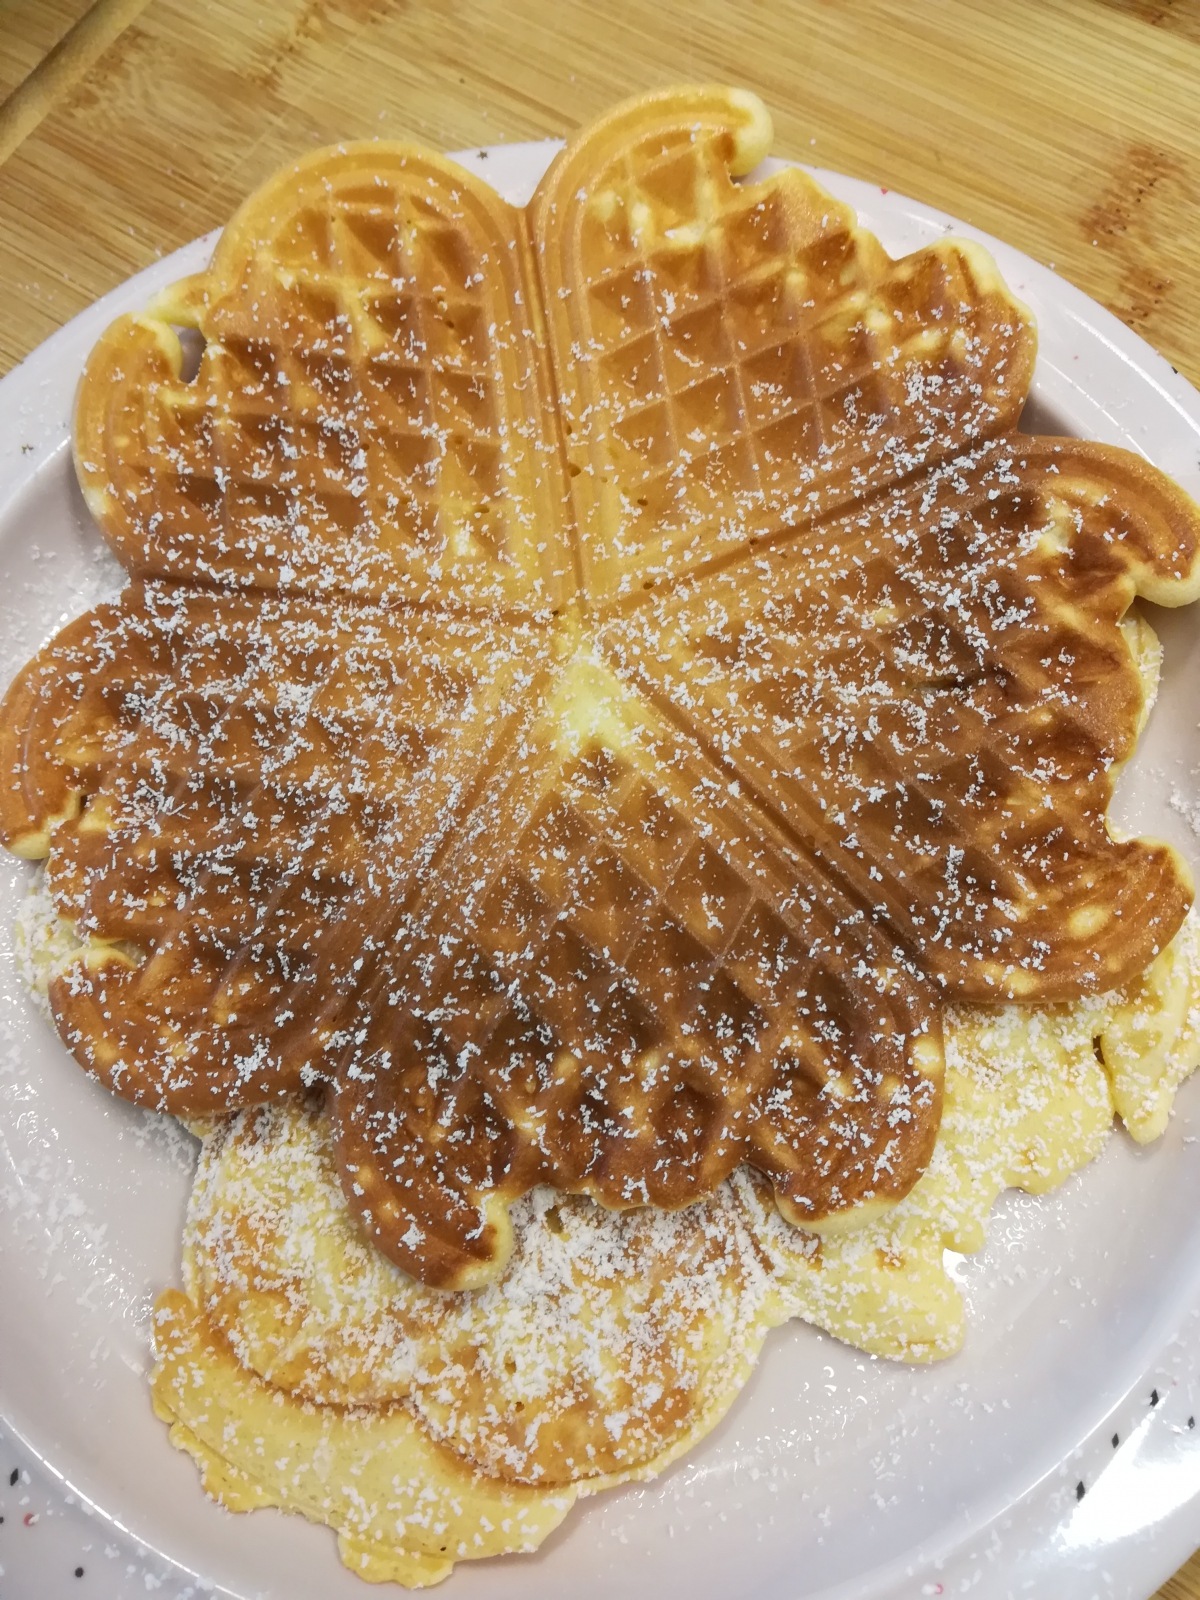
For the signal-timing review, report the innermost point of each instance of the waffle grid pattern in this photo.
(898, 663)
(345, 425)
(319, 732)
(634, 1015)
(751, 357)
(490, 931)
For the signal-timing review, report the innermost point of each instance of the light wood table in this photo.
(1070, 128)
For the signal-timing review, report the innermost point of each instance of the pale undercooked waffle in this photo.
(607, 1336)
(595, 682)
(405, 1510)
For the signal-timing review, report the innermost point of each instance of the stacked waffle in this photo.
(595, 682)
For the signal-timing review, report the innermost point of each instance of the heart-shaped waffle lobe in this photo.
(371, 414)
(597, 679)
(735, 362)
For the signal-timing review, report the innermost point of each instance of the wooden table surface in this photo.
(1070, 128)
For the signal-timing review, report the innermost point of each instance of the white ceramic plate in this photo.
(835, 1475)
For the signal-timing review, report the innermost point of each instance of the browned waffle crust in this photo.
(596, 679)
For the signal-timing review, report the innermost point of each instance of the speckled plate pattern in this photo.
(1056, 1455)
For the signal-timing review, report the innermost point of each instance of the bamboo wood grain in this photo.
(1070, 128)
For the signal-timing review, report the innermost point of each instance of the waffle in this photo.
(887, 685)
(404, 1510)
(371, 414)
(249, 762)
(593, 1356)
(767, 695)
(735, 362)
(614, 1342)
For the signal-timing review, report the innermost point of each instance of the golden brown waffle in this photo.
(371, 412)
(264, 775)
(888, 685)
(736, 361)
(646, 836)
